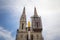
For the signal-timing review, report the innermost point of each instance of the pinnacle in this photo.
(35, 12)
(23, 13)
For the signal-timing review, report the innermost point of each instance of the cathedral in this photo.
(34, 29)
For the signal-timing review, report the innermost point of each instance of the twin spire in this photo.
(24, 15)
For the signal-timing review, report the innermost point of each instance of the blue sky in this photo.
(11, 10)
(8, 21)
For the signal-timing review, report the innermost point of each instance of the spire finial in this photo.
(35, 12)
(23, 13)
(24, 10)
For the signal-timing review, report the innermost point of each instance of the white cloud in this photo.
(5, 34)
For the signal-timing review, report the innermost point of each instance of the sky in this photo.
(11, 10)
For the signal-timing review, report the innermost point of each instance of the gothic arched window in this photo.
(22, 25)
(37, 37)
(37, 24)
(27, 37)
(31, 37)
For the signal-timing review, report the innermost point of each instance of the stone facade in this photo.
(35, 32)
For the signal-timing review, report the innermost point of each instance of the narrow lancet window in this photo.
(31, 37)
(22, 25)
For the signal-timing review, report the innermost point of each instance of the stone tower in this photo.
(30, 33)
(36, 22)
(36, 26)
(23, 21)
(21, 32)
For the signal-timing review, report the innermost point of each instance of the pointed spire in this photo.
(23, 13)
(24, 10)
(35, 12)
